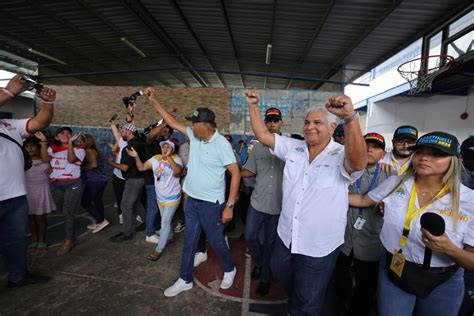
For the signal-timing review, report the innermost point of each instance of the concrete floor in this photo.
(103, 278)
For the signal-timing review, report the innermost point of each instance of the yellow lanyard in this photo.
(412, 213)
(402, 171)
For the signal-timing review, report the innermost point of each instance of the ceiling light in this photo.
(269, 54)
(59, 61)
(123, 39)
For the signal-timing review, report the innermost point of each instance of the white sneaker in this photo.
(139, 219)
(120, 219)
(101, 226)
(153, 239)
(228, 279)
(92, 226)
(115, 205)
(199, 258)
(178, 287)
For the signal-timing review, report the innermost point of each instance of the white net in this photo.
(421, 72)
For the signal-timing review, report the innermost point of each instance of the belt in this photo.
(432, 269)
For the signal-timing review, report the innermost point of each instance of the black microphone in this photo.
(433, 223)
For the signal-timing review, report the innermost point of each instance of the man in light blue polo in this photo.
(210, 155)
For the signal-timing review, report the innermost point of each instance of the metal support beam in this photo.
(356, 43)
(144, 16)
(231, 35)
(312, 40)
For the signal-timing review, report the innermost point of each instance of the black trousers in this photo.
(118, 186)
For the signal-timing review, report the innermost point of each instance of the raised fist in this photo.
(252, 98)
(341, 106)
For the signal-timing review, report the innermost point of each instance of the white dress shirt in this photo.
(395, 210)
(315, 197)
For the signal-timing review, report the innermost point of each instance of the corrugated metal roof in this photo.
(214, 43)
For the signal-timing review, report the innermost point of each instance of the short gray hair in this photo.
(319, 108)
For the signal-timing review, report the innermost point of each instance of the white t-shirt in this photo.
(121, 144)
(395, 210)
(62, 169)
(12, 174)
(167, 186)
(315, 197)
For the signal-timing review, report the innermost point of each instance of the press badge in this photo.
(359, 223)
(397, 264)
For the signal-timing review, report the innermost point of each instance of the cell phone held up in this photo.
(113, 118)
(33, 84)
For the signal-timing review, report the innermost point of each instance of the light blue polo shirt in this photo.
(208, 161)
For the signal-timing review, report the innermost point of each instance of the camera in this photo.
(129, 101)
(148, 129)
(113, 118)
(33, 84)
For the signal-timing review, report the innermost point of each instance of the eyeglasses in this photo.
(405, 141)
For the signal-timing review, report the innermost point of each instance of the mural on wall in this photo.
(293, 105)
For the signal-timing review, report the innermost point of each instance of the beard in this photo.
(398, 154)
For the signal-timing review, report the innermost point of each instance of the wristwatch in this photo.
(230, 205)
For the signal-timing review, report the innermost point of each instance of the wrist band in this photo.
(351, 118)
(8, 92)
(48, 102)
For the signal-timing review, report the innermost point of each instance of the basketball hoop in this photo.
(420, 72)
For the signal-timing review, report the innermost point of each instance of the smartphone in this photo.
(113, 118)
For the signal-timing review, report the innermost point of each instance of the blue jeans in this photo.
(166, 233)
(13, 231)
(445, 299)
(92, 199)
(304, 278)
(202, 215)
(151, 209)
(261, 253)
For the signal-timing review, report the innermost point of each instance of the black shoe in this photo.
(256, 271)
(263, 288)
(29, 279)
(140, 227)
(120, 237)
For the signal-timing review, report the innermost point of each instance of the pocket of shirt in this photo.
(326, 176)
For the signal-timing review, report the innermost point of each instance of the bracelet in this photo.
(351, 118)
(48, 102)
(8, 92)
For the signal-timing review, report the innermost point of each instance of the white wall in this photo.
(428, 114)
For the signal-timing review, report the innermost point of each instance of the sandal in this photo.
(154, 256)
(42, 246)
(67, 246)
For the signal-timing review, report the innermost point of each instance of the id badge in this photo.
(359, 223)
(398, 263)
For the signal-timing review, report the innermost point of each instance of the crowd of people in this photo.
(393, 231)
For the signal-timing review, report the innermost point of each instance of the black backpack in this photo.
(26, 157)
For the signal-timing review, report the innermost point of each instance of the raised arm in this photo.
(258, 126)
(177, 169)
(45, 115)
(150, 93)
(14, 87)
(355, 148)
(140, 165)
(155, 132)
(115, 131)
(43, 147)
(71, 155)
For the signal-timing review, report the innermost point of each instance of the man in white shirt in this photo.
(13, 203)
(316, 177)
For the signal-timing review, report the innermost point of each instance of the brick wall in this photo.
(94, 105)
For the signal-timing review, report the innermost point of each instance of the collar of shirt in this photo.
(213, 137)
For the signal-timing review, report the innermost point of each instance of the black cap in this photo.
(203, 115)
(444, 142)
(59, 130)
(406, 131)
(273, 114)
(467, 149)
(339, 131)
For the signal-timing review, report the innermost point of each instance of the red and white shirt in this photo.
(12, 174)
(63, 170)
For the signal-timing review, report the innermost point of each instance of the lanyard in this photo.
(402, 170)
(371, 185)
(412, 213)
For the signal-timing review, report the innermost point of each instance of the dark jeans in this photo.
(152, 215)
(131, 201)
(13, 231)
(203, 215)
(304, 278)
(67, 197)
(118, 185)
(467, 307)
(92, 199)
(360, 300)
(265, 225)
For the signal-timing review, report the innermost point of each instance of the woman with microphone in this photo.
(430, 185)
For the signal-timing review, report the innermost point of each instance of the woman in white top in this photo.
(430, 185)
(166, 169)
